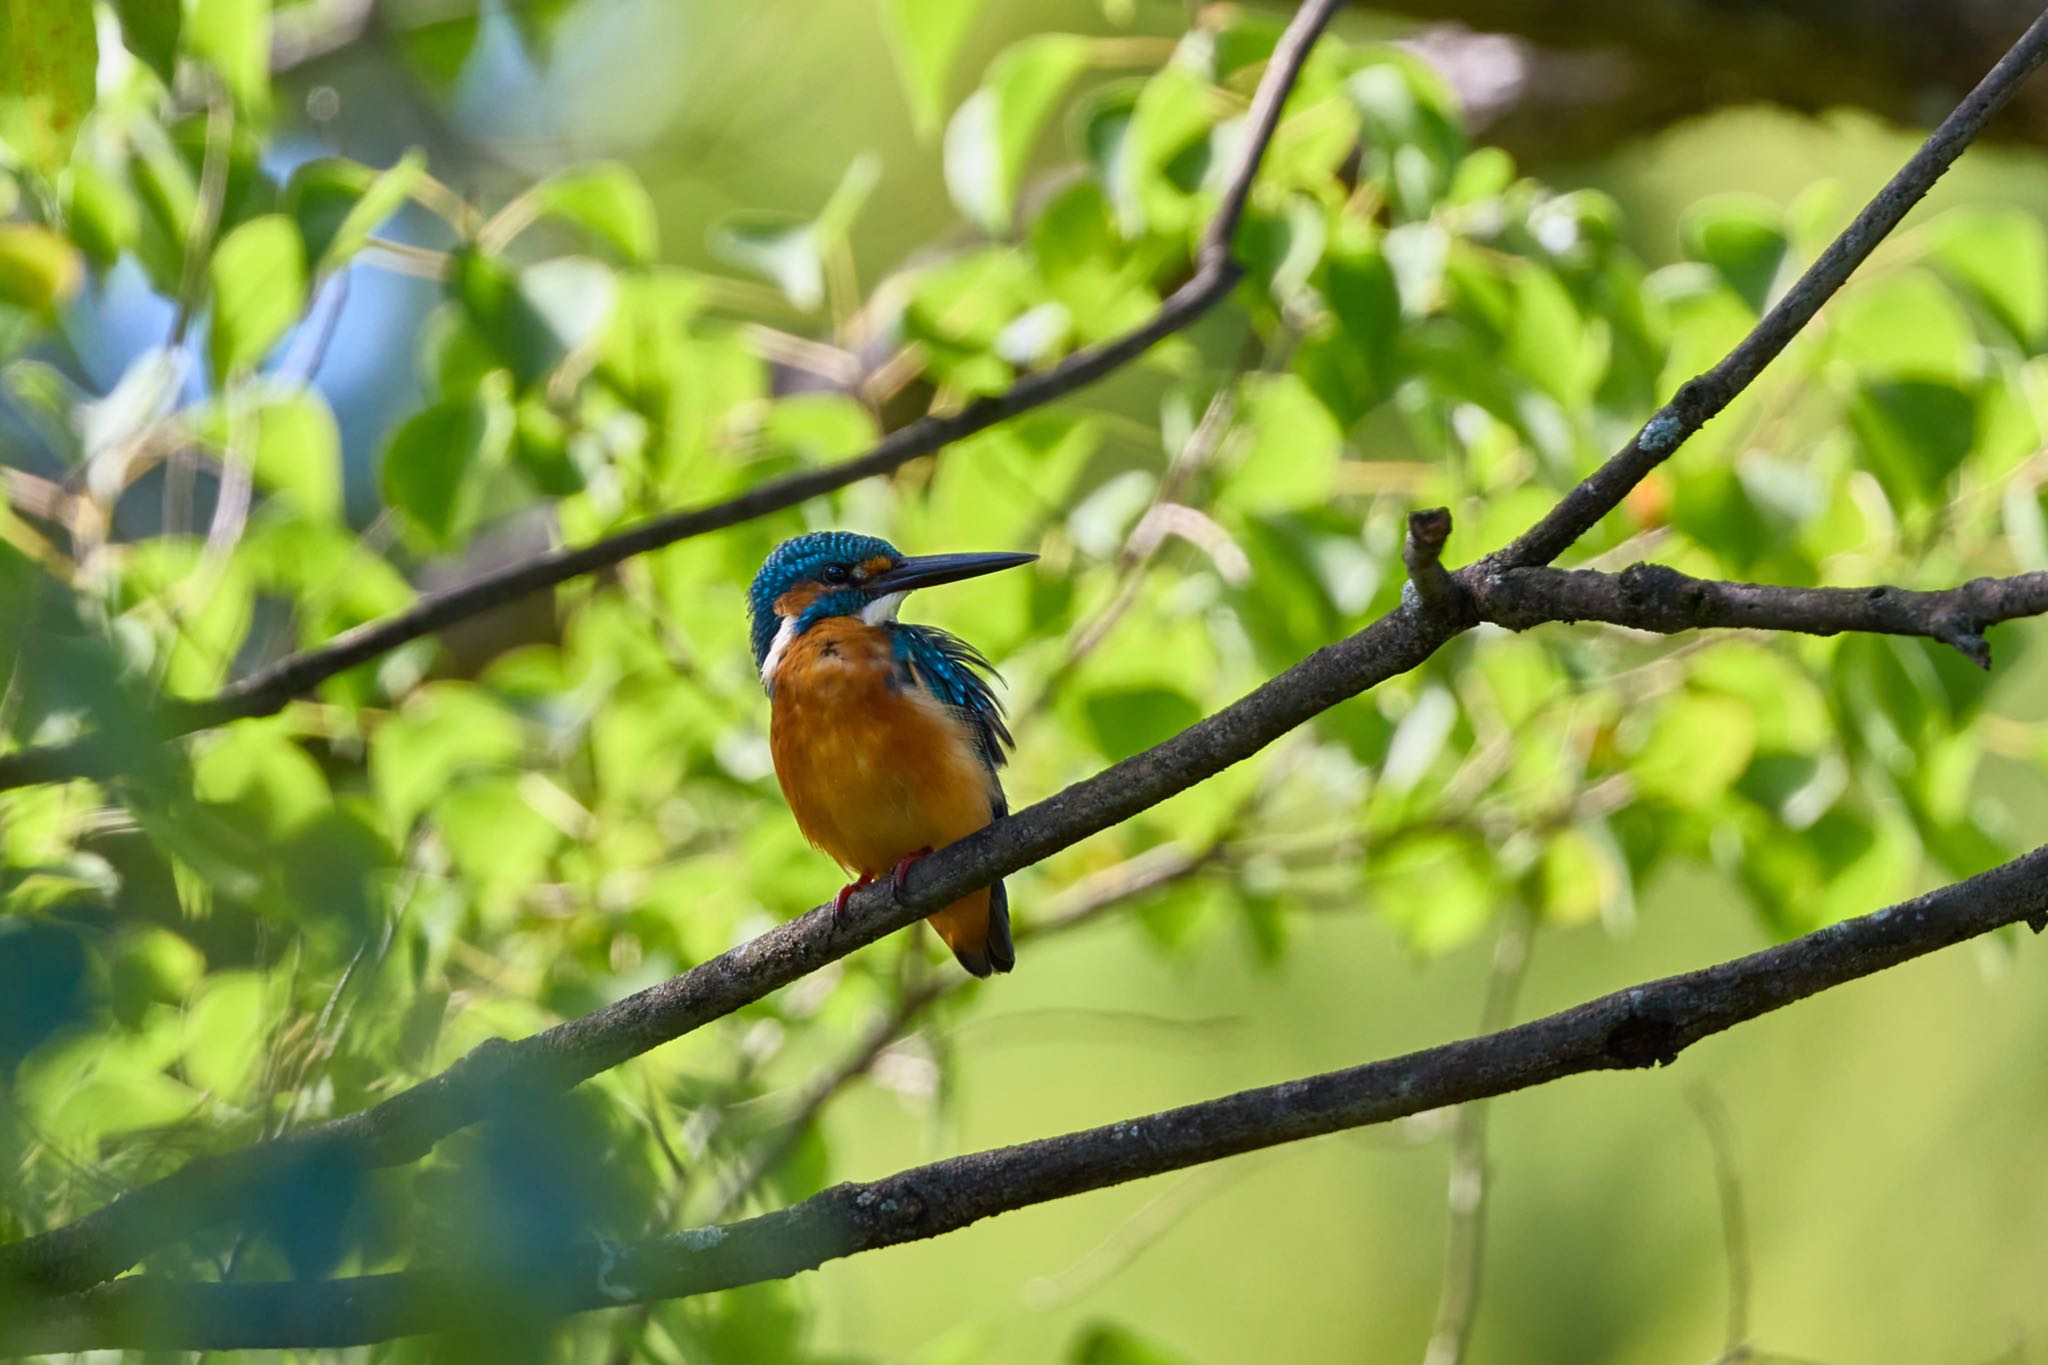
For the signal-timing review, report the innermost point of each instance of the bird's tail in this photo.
(981, 942)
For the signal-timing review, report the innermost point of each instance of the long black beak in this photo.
(925, 571)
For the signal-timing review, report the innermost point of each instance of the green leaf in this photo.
(1743, 238)
(443, 731)
(224, 1033)
(780, 246)
(101, 214)
(49, 57)
(149, 28)
(1350, 362)
(1102, 121)
(1124, 721)
(1579, 876)
(258, 276)
(290, 438)
(494, 835)
(1914, 433)
(257, 766)
(1165, 156)
(298, 451)
(1105, 1343)
(233, 37)
(925, 36)
(1998, 257)
(199, 612)
(1280, 250)
(1906, 324)
(38, 268)
(1411, 140)
(1437, 890)
(606, 200)
(1287, 448)
(990, 138)
(790, 251)
(338, 203)
(432, 472)
(439, 49)
(534, 318)
(540, 447)
(1695, 748)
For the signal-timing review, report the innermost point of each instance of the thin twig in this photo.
(199, 234)
(1465, 1244)
(1720, 1133)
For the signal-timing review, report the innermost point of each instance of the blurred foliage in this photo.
(294, 917)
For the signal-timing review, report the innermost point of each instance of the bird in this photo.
(887, 738)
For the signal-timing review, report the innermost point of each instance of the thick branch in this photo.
(1656, 598)
(1643, 1026)
(1703, 398)
(406, 1127)
(268, 689)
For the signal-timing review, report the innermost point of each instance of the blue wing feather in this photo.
(953, 670)
(958, 674)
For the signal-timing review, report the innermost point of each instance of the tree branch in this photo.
(268, 689)
(405, 1127)
(1704, 398)
(1657, 598)
(1645, 1025)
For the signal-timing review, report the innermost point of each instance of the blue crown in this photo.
(800, 560)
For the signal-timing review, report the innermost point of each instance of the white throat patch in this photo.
(773, 659)
(882, 610)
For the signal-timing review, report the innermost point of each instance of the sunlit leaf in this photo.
(258, 278)
(925, 36)
(233, 37)
(991, 136)
(1743, 238)
(607, 201)
(433, 467)
(338, 203)
(38, 269)
(49, 53)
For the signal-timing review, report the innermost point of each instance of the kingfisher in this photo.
(887, 738)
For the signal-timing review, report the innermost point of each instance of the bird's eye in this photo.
(834, 573)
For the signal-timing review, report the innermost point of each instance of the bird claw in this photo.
(845, 894)
(902, 869)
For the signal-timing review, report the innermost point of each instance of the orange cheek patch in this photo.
(879, 564)
(793, 602)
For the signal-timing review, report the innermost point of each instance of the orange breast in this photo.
(873, 771)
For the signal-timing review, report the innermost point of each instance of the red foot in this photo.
(839, 901)
(902, 871)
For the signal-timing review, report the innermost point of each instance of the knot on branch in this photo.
(1665, 595)
(1431, 589)
(887, 1207)
(1964, 633)
(1644, 1038)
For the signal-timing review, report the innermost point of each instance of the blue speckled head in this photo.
(832, 559)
